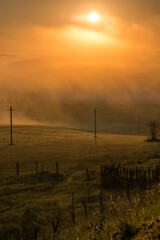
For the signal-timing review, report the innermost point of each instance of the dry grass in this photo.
(40, 193)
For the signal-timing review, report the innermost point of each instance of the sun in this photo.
(93, 17)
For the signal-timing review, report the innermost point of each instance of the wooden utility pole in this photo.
(139, 125)
(11, 111)
(95, 123)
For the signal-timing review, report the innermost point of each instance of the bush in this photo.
(127, 232)
(153, 127)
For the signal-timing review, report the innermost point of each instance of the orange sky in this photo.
(51, 45)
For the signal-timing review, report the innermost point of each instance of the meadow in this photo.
(41, 204)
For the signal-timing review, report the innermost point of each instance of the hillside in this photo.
(39, 196)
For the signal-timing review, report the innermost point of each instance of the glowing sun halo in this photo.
(93, 17)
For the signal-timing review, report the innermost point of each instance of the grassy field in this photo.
(30, 203)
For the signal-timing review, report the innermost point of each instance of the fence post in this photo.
(55, 228)
(149, 174)
(120, 169)
(105, 171)
(87, 172)
(157, 173)
(128, 193)
(131, 175)
(85, 207)
(139, 174)
(136, 174)
(73, 210)
(57, 168)
(17, 169)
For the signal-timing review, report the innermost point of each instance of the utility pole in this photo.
(139, 125)
(95, 122)
(11, 111)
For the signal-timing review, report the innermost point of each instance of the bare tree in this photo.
(153, 127)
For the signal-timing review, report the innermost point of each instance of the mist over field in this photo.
(66, 94)
(56, 67)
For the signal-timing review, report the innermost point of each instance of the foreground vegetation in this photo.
(74, 204)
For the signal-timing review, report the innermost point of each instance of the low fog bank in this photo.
(43, 108)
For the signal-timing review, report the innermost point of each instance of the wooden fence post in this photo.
(85, 207)
(120, 169)
(55, 228)
(73, 210)
(57, 168)
(149, 174)
(136, 174)
(105, 171)
(145, 177)
(87, 172)
(17, 169)
(128, 193)
(139, 174)
(157, 173)
(131, 175)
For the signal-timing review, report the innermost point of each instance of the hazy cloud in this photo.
(49, 53)
(51, 12)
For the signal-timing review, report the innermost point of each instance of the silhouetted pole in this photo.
(139, 125)
(95, 119)
(11, 110)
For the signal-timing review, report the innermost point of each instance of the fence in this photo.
(116, 176)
